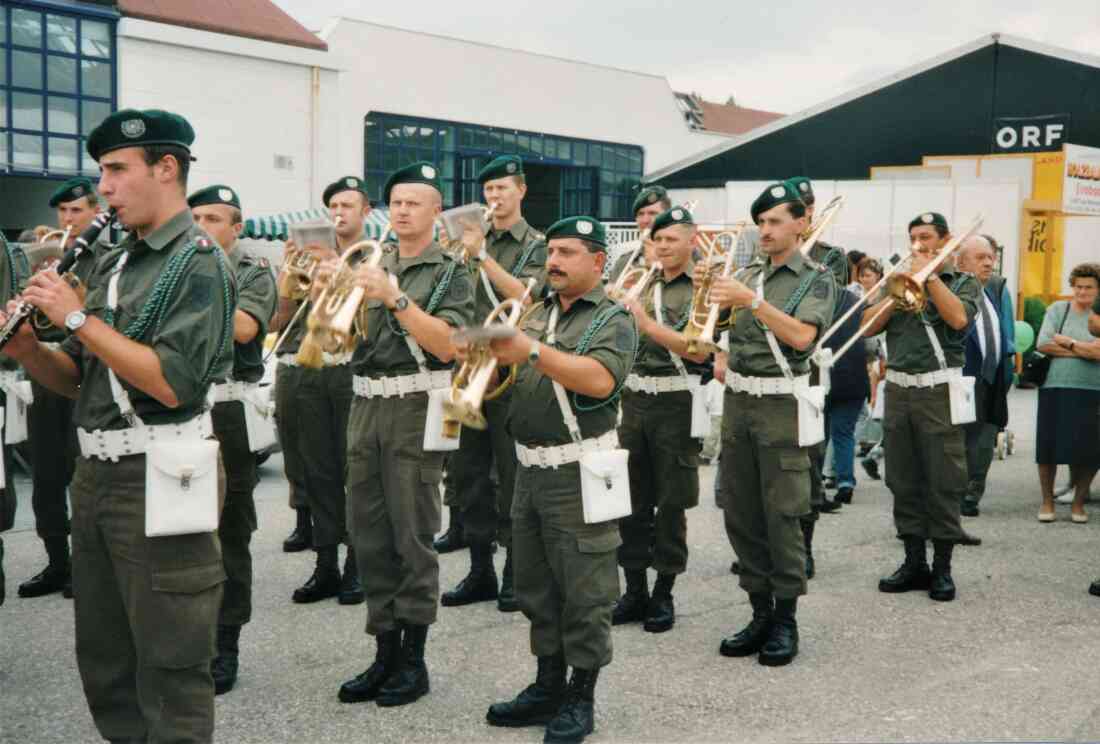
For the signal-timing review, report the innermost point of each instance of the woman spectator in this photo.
(1069, 401)
(847, 398)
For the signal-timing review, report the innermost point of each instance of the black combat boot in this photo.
(387, 658)
(506, 600)
(942, 586)
(55, 575)
(539, 702)
(454, 538)
(480, 585)
(302, 536)
(351, 590)
(782, 645)
(410, 682)
(576, 718)
(325, 581)
(224, 665)
(752, 637)
(808, 540)
(661, 612)
(632, 606)
(913, 573)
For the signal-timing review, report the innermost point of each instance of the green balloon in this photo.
(1025, 336)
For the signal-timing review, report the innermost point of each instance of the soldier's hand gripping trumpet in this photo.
(470, 386)
(717, 263)
(336, 318)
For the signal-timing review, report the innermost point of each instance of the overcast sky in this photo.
(782, 56)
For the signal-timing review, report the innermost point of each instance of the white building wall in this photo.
(416, 74)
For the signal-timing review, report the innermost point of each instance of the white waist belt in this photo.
(387, 387)
(759, 386)
(327, 359)
(655, 385)
(230, 391)
(9, 378)
(924, 380)
(552, 457)
(112, 444)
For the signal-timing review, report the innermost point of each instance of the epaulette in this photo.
(204, 244)
(814, 264)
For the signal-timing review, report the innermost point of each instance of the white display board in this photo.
(1081, 243)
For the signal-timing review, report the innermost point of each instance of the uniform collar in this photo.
(594, 296)
(795, 263)
(517, 231)
(235, 254)
(159, 239)
(433, 254)
(685, 274)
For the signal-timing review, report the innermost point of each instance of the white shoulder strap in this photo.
(659, 313)
(773, 344)
(488, 287)
(122, 398)
(414, 347)
(559, 391)
(936, 347)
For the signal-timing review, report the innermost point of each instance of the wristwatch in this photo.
(401, 303)
(534, 354)
(755, 304)
(75, 320)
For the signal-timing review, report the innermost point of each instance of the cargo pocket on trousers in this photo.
(791, 490)
(951, 469)
(428, 504)
(682, 489)
(592, 573)
(183, 611)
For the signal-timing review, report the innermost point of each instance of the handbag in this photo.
(1037, 364)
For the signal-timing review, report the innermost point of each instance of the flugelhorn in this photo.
(821, 221)
(470, 386)
(333, 322)
(50, 235)
(633, 283)
(301, 263)
(702, 323)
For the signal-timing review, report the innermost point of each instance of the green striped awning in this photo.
(277, 226)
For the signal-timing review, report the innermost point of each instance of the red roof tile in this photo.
(254, 19)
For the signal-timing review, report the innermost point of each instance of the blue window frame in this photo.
(58, 81)
(597, 176)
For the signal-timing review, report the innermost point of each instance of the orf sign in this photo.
(1081, 184)
(1030, 134)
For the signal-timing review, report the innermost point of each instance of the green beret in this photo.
(217, 194)
(929, 218)
(501, 167)
(133, 128)
(71, 190)
(585, 228)
(419, 172)
(674, 216)
(803, 188)
(347, 183)
(778, 193)
(649, 195)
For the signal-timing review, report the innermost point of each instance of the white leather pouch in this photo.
(700, 409)
(434, 439)
(963, 405)
(605, 485)
(181, 487)
(880, 402)
(259, 419)
(15, 413)
(811, 415)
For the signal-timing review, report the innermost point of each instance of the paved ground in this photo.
(1014, 658)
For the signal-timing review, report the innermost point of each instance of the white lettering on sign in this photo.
(1031, 136)
(1022, 137)
(1006, 137)
(1054, 133)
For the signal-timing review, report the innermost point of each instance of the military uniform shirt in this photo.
(256, 296)
(385, 353)
(534, 418)
(507, 248)
(297, 331)
(750, 354)
(653, 359)
(910, 349)
(186, 341)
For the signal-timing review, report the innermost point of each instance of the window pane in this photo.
(60, 74)
(26, 28)
(605, 207)
(408, 156)
(448, 164)
(3, 120)
(95, 39)
(27, 151)
(94, 113)
(3, 146)
(26, 111)
(523, 145)
(90, 166)
(392, 134)
(536, 144)
(467, 137)
(580, 153)
(447, 138)
(389, 159)
(63, 154)
(374, 132)
(26, 69)
(481, 139)
(96, 78)
(62, 115)
(61, 34)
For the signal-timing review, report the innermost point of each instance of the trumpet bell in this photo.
(908, 294)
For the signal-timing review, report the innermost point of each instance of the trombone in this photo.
(469, 388)
(827, 214)
(703, 317)
(335, 319)
(906, 292)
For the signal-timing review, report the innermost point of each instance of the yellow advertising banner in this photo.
(1041, 267)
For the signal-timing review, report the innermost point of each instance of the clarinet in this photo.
(24, 309)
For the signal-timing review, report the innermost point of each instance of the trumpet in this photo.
(632, 283)
(703, 316)
(453, 223)
(53, 233)
(470, 387)
(339, 314)
(822, 219)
